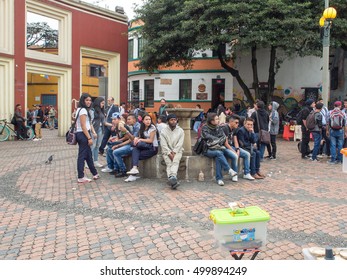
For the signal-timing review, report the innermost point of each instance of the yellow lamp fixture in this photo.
(329, 13)
(321, 21)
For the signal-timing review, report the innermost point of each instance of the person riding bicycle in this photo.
(20, 126)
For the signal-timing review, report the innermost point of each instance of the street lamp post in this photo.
(325, 22)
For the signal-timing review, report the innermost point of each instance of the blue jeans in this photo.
(196, 126)
(261, 147)
(221, 162)
(255, 161)
(84, 154)
(246, 156)
(233, 156)
(96, 144)
(336, 142)
(118, 155)
(111, 163)
(317, 137)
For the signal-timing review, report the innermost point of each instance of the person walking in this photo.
(274, 124)
(51, 117)
(37, 122)
(84, 139)
(171, 141)
(98, 125)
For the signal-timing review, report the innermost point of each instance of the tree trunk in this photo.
(271, 79)
(235, 73)
(254, 62)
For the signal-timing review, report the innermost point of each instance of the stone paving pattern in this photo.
(45, 214)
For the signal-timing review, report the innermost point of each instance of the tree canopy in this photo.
(41, 34)
(176, 29)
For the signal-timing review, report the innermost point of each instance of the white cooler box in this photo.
(243, 228)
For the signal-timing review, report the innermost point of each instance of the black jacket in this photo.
(213, 137)
(246, 139)
(263, 116)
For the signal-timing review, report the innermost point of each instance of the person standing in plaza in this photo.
(84, 139)
(171, 141)
(51, 117)
(274, 124)
(112, 108)
(261, 121)
(325, 117)
(37, 122)
(344, 110)
(98, 125)
(301, 120)
(162, 108)
(317, 130)
(337, 132)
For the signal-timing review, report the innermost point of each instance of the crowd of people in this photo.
(116, 133)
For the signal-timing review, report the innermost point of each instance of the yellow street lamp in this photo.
(326, 22)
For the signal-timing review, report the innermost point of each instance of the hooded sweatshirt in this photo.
(263, 119)
(274, 122)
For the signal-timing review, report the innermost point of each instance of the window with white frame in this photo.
(60, 28)
(7, 26)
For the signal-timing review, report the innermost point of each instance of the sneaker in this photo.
(96, 177)
(232, 173)
(106, 170)
(235, 179)
(248, 177)
(220, 182)
(173, 180)
(120, 175)
(314, 160)
(36, 139)
(133, 171)
(320, 156)
(273, 158)
(175, 186)
(84, 180)
(40, 139)
(331, 162)
(97, 164)
(131, 178)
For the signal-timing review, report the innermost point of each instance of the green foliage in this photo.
(41, 34)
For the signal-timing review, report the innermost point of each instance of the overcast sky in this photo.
(128, 5)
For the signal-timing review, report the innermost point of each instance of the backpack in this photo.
(311, 120)
(336, 120)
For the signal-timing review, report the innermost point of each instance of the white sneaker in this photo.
(40, 139)
(97, 164)
(84, 180)
(220, 182)
(248, 177)
(133, 171)
(131, 178)
(235, 179)
(36, 139)
(232, 173)
(106, 170)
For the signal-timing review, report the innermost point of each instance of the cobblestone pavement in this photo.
(45, 214)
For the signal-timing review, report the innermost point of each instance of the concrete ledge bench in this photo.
(189, 167)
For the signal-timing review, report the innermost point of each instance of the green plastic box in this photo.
(242, 228)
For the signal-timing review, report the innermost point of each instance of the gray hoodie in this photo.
(274, 122)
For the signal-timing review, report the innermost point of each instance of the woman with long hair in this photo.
(20, 126)
(98, 124)
(146, 145)
(84, 139)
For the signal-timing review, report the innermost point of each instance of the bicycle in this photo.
(5, 131)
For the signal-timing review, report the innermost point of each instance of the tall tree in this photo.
(42, 35)
(176, 28)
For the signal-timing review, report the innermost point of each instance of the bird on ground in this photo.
(49, 160)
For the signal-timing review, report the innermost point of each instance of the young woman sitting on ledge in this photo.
(146, 145)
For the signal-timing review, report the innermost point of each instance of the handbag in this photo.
(200, 146)
(264, 135)
(13, 120)
(71, 133)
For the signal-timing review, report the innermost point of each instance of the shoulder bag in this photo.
(71, 133)
(264, 135)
